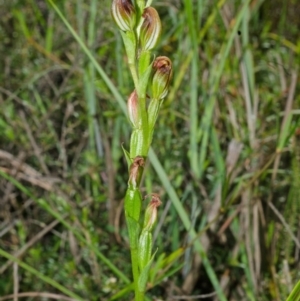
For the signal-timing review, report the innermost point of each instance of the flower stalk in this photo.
(140, 27)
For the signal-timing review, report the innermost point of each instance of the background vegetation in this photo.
(225, 158)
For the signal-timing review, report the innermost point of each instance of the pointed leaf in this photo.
(143, 279)
(127, 156)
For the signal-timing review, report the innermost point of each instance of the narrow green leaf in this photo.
(143, 279)
(295, 294)
(40, 275)
(127, 156)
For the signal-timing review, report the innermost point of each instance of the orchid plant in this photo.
(140, 27)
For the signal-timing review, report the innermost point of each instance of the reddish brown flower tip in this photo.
(151, 212)
(162, 75)
(123, 12)
(150, 29)
(136, 171)
(155, 200)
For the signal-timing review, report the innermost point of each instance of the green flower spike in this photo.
(123, 12)
(150, 29)
(162, 75)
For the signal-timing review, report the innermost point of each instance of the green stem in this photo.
(139, 296)
(133, 71)
(130, 43)
(139, 143)
(135, 272)
(133, 201)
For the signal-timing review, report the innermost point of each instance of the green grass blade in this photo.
(100, 70)
(204, 131)
(40, 275)
(295, 294)
(186, 222)
(193, 88)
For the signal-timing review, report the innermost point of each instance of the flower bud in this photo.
(144, 249)
(162, 75)
(136, 172)
(123, 12)
(151, 212)
(132, 107)
(150, 29)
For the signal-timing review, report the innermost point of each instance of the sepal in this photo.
(151, 28)
(123, 13)
(133, 109)
(136, 172)
(151, 213)
(162, 67)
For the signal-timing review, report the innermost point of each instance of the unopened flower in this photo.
(150, 29)
(162, 75)
(136, 171)
(132, 107)
(145, 240)
(123, 12)
(151, 212)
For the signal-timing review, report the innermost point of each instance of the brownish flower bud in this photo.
(150, 29)
(151, 212)
(123, 12)
(132, 107)
(136, 172)
(162, 75)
